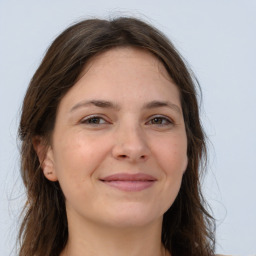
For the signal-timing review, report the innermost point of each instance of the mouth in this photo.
(129, 182)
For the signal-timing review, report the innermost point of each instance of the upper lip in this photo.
(129, 177)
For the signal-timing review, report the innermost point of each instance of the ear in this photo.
(45, 155)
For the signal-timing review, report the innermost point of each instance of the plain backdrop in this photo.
(217, 38)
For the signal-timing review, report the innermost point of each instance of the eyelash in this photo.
(88, 120)
(167, 120)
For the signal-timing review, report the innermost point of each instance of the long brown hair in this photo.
(188, 228)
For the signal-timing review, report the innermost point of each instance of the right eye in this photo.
(93, 120)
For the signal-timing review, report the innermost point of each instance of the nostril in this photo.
(125, 156)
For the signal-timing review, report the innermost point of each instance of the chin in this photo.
(132, 217)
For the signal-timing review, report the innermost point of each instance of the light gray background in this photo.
(218, 39)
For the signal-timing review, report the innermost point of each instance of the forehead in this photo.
(126, 74)
(126, 56)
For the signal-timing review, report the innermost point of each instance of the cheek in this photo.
(77, 157)
(172, 154)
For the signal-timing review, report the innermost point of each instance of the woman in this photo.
(111, 147)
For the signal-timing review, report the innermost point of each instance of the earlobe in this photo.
(45, 156)
(48, 165)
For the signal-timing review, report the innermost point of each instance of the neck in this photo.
(87, 238)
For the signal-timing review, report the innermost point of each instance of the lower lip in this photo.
(130, 185)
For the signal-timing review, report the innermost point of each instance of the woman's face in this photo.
(119, 146)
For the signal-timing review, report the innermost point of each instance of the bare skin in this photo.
(136, 126)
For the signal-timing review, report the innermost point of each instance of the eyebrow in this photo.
(111, 105)
(97, 103)
(158, 104)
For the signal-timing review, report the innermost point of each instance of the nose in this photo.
(130, 144)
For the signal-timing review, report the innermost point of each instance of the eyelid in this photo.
(84, 119)
(168, 119)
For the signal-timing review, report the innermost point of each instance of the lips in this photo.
(129, 182)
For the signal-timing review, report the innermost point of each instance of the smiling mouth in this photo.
(129, 182)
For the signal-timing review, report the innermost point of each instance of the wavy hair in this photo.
(188, 228)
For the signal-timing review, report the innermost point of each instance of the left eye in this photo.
(94, 120)
(160, 121)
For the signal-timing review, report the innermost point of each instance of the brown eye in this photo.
(160, 121)
(157, 120)
(94, 120)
